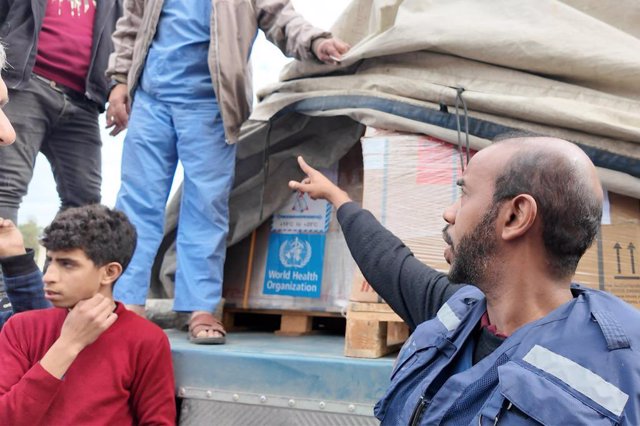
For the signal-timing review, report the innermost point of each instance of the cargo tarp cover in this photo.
(569, 69)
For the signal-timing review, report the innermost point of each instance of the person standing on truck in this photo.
(56, 56)
(185, 66)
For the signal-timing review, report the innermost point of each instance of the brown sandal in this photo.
(205, 322)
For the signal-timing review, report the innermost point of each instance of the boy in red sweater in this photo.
(88, 360)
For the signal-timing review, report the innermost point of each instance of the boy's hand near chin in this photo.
(84, 324)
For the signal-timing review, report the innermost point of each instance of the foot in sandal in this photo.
(205, 329)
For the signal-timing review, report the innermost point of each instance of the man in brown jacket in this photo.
(186, 64)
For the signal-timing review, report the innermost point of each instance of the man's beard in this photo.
(474, 252)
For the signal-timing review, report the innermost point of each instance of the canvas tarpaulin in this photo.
(561, 68)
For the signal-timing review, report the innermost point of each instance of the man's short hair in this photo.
(104, 234)
(568, 207)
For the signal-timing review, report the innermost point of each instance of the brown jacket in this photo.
(234, 24)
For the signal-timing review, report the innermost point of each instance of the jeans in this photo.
(66, 131)
(159, 134)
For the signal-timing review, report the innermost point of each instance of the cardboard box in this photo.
(613, 261)
(410, 179)
(297, 260)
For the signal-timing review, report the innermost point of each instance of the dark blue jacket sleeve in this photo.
(23, 283)
(414, 290)
(4, 316)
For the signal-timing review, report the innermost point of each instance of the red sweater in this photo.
(125, 377)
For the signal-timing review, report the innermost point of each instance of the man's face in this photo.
(7, 134)
(471, 230)
(473, 254)
(71, 277)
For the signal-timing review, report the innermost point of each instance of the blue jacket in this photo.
(579, 365)
(23, 283)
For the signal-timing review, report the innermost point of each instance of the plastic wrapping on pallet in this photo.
(297, 260)
(409, 180)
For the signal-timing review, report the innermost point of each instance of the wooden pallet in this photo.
(292, 323)
(373, 330)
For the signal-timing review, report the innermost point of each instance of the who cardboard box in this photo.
(297, 260)
(410, 179)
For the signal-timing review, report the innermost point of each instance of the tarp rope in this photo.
(460, 100)
(265, 162)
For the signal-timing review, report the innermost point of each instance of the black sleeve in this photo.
(23, 283)
(4, 10)
(22, 264)
(414, 290)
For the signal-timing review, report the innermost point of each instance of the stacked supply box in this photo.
(410, 179)
(298, 260)
(613, 261)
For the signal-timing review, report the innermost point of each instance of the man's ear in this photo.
(518, 216)
(112, 272)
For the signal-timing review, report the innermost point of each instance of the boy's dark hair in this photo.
(104, 234)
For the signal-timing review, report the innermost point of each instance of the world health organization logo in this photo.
(295, 253)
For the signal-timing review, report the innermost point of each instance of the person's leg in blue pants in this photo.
(159, 133)
(149, 160)
(209, 165)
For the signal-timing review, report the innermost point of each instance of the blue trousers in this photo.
(159, 135)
